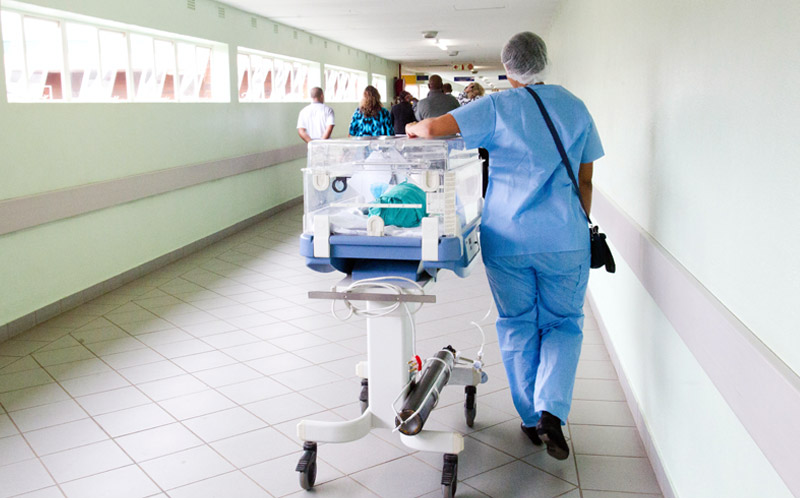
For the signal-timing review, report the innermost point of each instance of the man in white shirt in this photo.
(316, 119)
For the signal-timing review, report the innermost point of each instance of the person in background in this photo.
(437, 103)
(447, 88)
(370, 117)
(402, 112)
(534, 232)
(471, 92)
(316, 120)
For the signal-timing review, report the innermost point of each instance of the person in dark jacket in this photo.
(402, 112)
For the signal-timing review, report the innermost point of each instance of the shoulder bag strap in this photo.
(560, 147)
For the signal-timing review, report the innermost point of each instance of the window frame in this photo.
(287, 66)
(350, 73)
(220, 69)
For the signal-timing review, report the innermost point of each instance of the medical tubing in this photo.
(379, 311)
(483, 334)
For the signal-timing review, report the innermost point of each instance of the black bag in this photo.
(601, 254)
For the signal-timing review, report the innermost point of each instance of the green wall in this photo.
(50, 146)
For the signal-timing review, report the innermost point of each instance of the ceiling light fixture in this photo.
(429, 34)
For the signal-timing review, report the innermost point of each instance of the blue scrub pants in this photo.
(539, 301)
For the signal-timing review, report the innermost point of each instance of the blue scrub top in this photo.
(531, 205)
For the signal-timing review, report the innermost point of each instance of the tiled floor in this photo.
(190, 381)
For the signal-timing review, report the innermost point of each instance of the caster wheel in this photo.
(449, 475)
(469, 405)
(307, 466)
(364, 397)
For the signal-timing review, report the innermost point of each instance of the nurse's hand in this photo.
(433, 127)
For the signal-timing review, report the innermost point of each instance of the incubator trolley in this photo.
(391, 213)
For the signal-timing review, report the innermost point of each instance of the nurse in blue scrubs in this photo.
(534, 233)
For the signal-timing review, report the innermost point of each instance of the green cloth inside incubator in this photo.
(404, 193)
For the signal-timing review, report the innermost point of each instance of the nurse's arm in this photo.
(585, 184)
(433, 127)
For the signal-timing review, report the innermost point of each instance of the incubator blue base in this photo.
(365, 257)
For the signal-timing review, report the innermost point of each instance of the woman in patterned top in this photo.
(370, 118)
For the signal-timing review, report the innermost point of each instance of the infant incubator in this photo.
(422, 196)
(391, 213)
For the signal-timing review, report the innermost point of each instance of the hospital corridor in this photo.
(256, 249)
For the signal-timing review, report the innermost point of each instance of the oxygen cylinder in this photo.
(424, 395)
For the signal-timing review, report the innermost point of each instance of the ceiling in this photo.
(476, 29)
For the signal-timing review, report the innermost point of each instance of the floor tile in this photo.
(606, 440)
(186, 467)
(130, 359)
(65, 436)
(227, 375)
(151, 372)
(7, 427)
(596, 369)
(58, 356)
(230, 485)
(391, 479)
(344, 487)
(248, 352)
(158, 442)
(17, 347)
(476, 458)
(133, 419)
(92, 384)
(23, 477)
(203, 361)
(21, 364)
(283, 408)
(280, 363)
(562, 469)
(254, 447)
(126, 482)
(305, 378)
(20, 380)
(183, 348)
(114, 400)
(519, 480)
(48, 415)
(323, 353)
(230, 339)
(601, 413)
(14, 449)
(164, 337)
(50, 492)
(224, 424)
(279, 478)
(85, 461)
(631, 475)
(616, 494)
(172, 387)
(75, 369)
(598, 390)
(32, 396)
(253, 390)
(197, 404)
(508, 437)
(367, 452)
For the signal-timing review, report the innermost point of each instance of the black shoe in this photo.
(549, 430)
(531, 433)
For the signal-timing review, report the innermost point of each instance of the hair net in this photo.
(524, 57)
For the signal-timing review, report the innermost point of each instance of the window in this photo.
(344, 85)
(379, 82)
(56, 56)
(265, 77)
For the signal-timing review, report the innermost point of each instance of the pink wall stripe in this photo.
(30, 211)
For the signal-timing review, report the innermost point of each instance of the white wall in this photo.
(696, 103)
